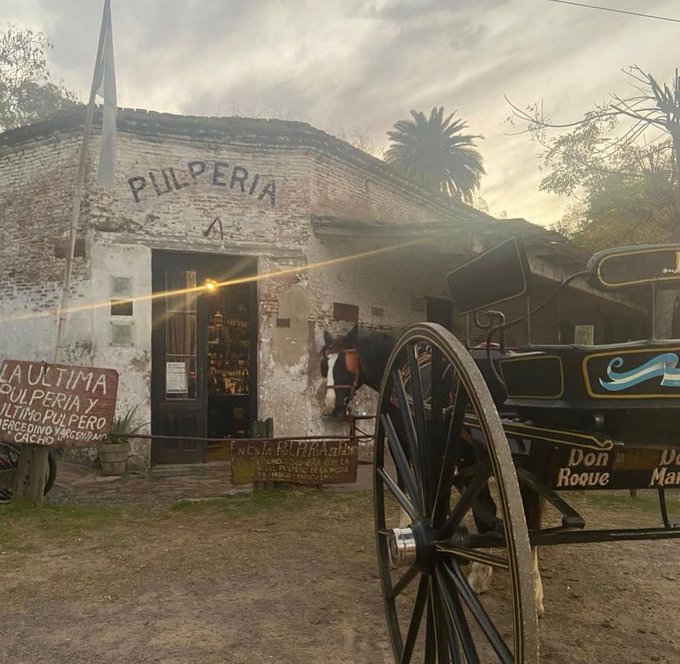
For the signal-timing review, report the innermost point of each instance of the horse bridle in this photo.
(353, 366)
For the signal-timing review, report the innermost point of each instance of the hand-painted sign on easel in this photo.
(56, 404)
(300, 461)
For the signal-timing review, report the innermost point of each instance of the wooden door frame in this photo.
(206, 265)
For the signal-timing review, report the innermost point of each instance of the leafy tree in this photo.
(435, 153)
(619, 163)
(26, 92)
(630, 202)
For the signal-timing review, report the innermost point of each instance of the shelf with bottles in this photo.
(228, 381)
(229, 343)
(237, 323)
(236, 330)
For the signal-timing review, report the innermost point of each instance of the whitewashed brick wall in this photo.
(313, 175)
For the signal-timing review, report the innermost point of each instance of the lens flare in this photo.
(210, 285)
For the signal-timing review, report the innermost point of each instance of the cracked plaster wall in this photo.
(123, 226)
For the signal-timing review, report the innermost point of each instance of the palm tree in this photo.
(433, 152)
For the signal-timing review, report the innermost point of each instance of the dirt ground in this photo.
(108, 575)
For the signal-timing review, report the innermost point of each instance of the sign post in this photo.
(52, 405)
(313, 460)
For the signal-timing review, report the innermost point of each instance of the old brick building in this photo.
(306, 232)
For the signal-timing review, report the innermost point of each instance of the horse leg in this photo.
(538, 583)
(480, 578)
(533, 510)
(481, 575)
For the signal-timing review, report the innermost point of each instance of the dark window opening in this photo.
(121, 308)
(348, 312)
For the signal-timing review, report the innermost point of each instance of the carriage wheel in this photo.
(432, 467)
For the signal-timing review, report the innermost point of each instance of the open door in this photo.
(178, 348)
(186, 395)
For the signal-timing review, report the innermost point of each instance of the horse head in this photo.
(341, 367)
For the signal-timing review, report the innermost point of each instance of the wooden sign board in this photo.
(298, 461)
(579, 469)
(56, 404)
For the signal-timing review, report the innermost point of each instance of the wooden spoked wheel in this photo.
(447, 496)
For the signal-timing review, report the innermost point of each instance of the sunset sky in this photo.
(353, 67)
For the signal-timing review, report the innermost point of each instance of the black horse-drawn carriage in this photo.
(470, 443)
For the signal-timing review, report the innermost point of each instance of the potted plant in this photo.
(114, 449)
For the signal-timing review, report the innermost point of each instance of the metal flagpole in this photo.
(32, 470)
(80, 179)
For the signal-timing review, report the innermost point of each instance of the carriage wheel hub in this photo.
(413, 544)
(401, 544)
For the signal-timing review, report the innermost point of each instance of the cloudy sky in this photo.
(354, 67)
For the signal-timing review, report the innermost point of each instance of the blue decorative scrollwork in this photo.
(664, 365)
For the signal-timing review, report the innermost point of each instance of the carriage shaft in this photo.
(491, 540)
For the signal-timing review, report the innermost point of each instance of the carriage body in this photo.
(621, 391)
(621, 401)
(470, 443)
(596, 417)
(627, 392)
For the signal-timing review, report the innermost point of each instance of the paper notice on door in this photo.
(175, 377)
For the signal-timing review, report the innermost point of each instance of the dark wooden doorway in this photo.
(180, 348)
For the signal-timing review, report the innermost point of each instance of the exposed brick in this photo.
(314, 174)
